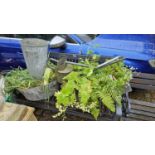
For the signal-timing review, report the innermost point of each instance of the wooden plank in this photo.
(5, 112)
(144, 75)
(143, 108)
(138, 102)
(144, 113)
(14, 112)
(32, 118)
(29, 116)
(143, 81)
(140, 117)
(18, 114)
(141, 111)
(141, 86)
(130, 119)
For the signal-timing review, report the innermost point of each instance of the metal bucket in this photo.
(2, 98)
(35, 54)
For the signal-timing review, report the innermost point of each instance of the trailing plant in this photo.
(20, 78)
(86, 87)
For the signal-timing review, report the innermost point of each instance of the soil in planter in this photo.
(47, 115)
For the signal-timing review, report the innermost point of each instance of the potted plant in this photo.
(87, 88)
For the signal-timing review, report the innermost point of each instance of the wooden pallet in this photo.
(143, 81)
(141, 111)
(15, 112)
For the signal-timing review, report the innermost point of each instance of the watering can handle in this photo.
(109, 62)
(69, 62)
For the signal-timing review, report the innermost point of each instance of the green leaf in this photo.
(72, 76)
(90, 52)
(68, 87)
(62, 99)
(90, 72)
(95, 112)
(108, 102)
(85, 91)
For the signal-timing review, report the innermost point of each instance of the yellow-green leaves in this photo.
(95, 112)
(84, 88)
(20, 78)
(47, 75)
(108, 102)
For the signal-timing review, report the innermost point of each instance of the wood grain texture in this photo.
(15, 112)
(143, 81)
(144, 75)
(141, 111)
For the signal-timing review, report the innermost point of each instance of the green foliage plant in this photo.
(85, 87)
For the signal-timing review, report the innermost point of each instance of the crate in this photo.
(143, 81)
(141, 111)
(44, 105)
(105, 115)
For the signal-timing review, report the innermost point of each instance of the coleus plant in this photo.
(85, 87)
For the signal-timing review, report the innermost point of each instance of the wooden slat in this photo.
(18, 114)
(130, 119)
(143, 81)
(143, 103)
(138, 112)
(144, 75)
(29, 116)
(143, 108)
(142, 86)
(5, 112)
(140, 117)
(14, 112)
(141, 111)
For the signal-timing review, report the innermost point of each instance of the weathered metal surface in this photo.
(15, 112)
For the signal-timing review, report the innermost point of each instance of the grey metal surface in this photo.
(2, 98)
(35, 54)
(39, 93)
(110, 62)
